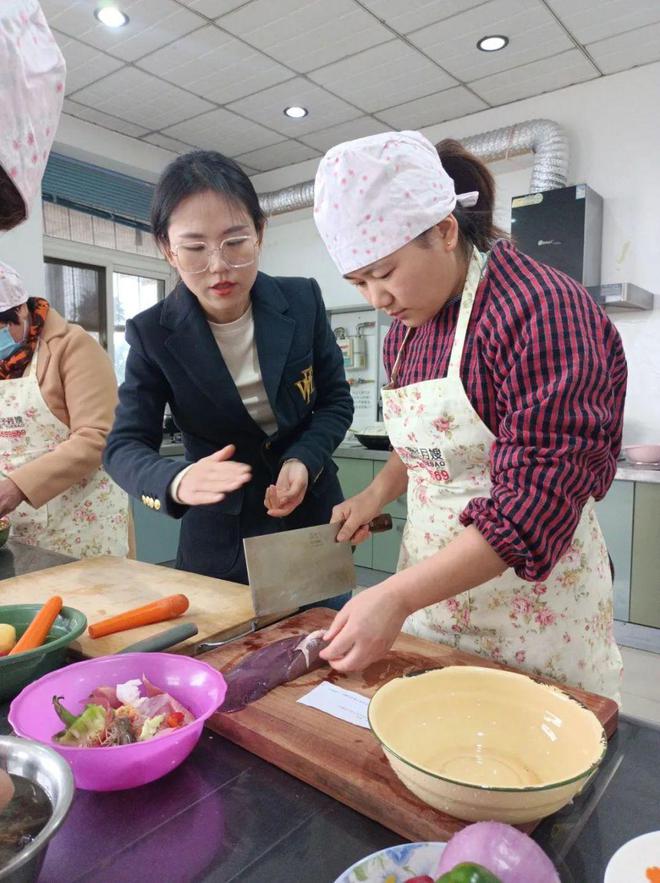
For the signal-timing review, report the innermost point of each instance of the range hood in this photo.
(621, 296)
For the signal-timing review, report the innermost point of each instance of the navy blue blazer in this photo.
(175, 359)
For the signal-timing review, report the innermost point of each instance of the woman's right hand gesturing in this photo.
(356, 513)
(212, 478)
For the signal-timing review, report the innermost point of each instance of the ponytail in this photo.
(475, 223)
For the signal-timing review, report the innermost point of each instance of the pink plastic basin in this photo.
(643, 453)
(194, 683)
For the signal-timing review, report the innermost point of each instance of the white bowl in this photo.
(395, 863)
(630, 863)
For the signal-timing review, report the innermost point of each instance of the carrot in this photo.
(37, 632)
(158, 611)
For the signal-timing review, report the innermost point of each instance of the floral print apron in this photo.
(561, 627)
(91, 517)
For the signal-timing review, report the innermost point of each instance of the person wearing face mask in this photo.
(57, 386)
(504, 410)
(249, 367)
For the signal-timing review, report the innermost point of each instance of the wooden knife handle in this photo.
(381, 523)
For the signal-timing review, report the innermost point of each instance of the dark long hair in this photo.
(12, 207)
(194, 173)
(475, 224)
(11, 315)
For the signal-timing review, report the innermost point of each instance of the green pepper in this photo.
(65, 716)
(467, 872)
(83, 730)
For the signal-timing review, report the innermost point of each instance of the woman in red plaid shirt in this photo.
(504, 410)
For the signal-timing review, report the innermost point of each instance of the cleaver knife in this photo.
(292, 568)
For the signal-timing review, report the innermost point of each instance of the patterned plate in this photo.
(395, 864)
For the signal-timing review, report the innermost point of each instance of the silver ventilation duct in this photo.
(544, 138)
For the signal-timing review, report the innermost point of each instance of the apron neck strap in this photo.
(475, 268)
(397, 362)
(473, 278)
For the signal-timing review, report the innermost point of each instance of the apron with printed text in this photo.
(90, 518)
(560, 627)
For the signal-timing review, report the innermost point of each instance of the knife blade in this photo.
(292, 568)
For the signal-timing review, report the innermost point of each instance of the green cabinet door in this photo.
(397, 508)
(645, 581)
(615, 515)
(156, 535)
(354, 475)
(387, 546)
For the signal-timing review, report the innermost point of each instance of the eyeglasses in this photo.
(195, 257)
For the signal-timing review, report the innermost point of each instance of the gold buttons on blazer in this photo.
(150, 502)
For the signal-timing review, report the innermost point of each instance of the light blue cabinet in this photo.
(354, 476)
(615, 515)
(397, 508)
(381, 551)
(156, 535)
(387, 547)
(645, 577)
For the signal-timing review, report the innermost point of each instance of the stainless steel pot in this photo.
(40, 764)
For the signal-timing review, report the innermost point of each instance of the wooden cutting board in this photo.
(343, 760)
(105, 586)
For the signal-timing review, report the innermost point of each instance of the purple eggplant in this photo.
(264, 669)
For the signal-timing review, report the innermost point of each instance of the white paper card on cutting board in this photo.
(344, 704)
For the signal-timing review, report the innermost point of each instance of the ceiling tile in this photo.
(305, 35)
(433, 109)
(624, 51)
(359, 128)
(223, 131)
(286, 153)
(591, 20)
(532, 31)
(535, 78)
(102, 119)
(410, 15)
(212, 8)
(215, 65)
(360, 79)
(140, 98)
(152, 24)
(267, 107)
(171, 144)
(84, 64)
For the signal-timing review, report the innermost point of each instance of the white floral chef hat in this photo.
(373, 195)
(32, 72)
(12, 292)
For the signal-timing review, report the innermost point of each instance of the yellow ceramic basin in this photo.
(481, 744)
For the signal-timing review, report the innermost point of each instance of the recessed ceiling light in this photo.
(492, 43)
(111, 16)
(296, 112)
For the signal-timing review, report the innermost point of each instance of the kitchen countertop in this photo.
(624, 472)
(19, 558)
(226, 816)
(355, 451)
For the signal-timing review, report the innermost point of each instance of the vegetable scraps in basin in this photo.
(131, 712)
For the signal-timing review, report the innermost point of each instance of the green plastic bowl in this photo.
(4, 531)
(20, 670)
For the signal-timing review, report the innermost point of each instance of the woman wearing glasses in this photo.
(251, 372)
